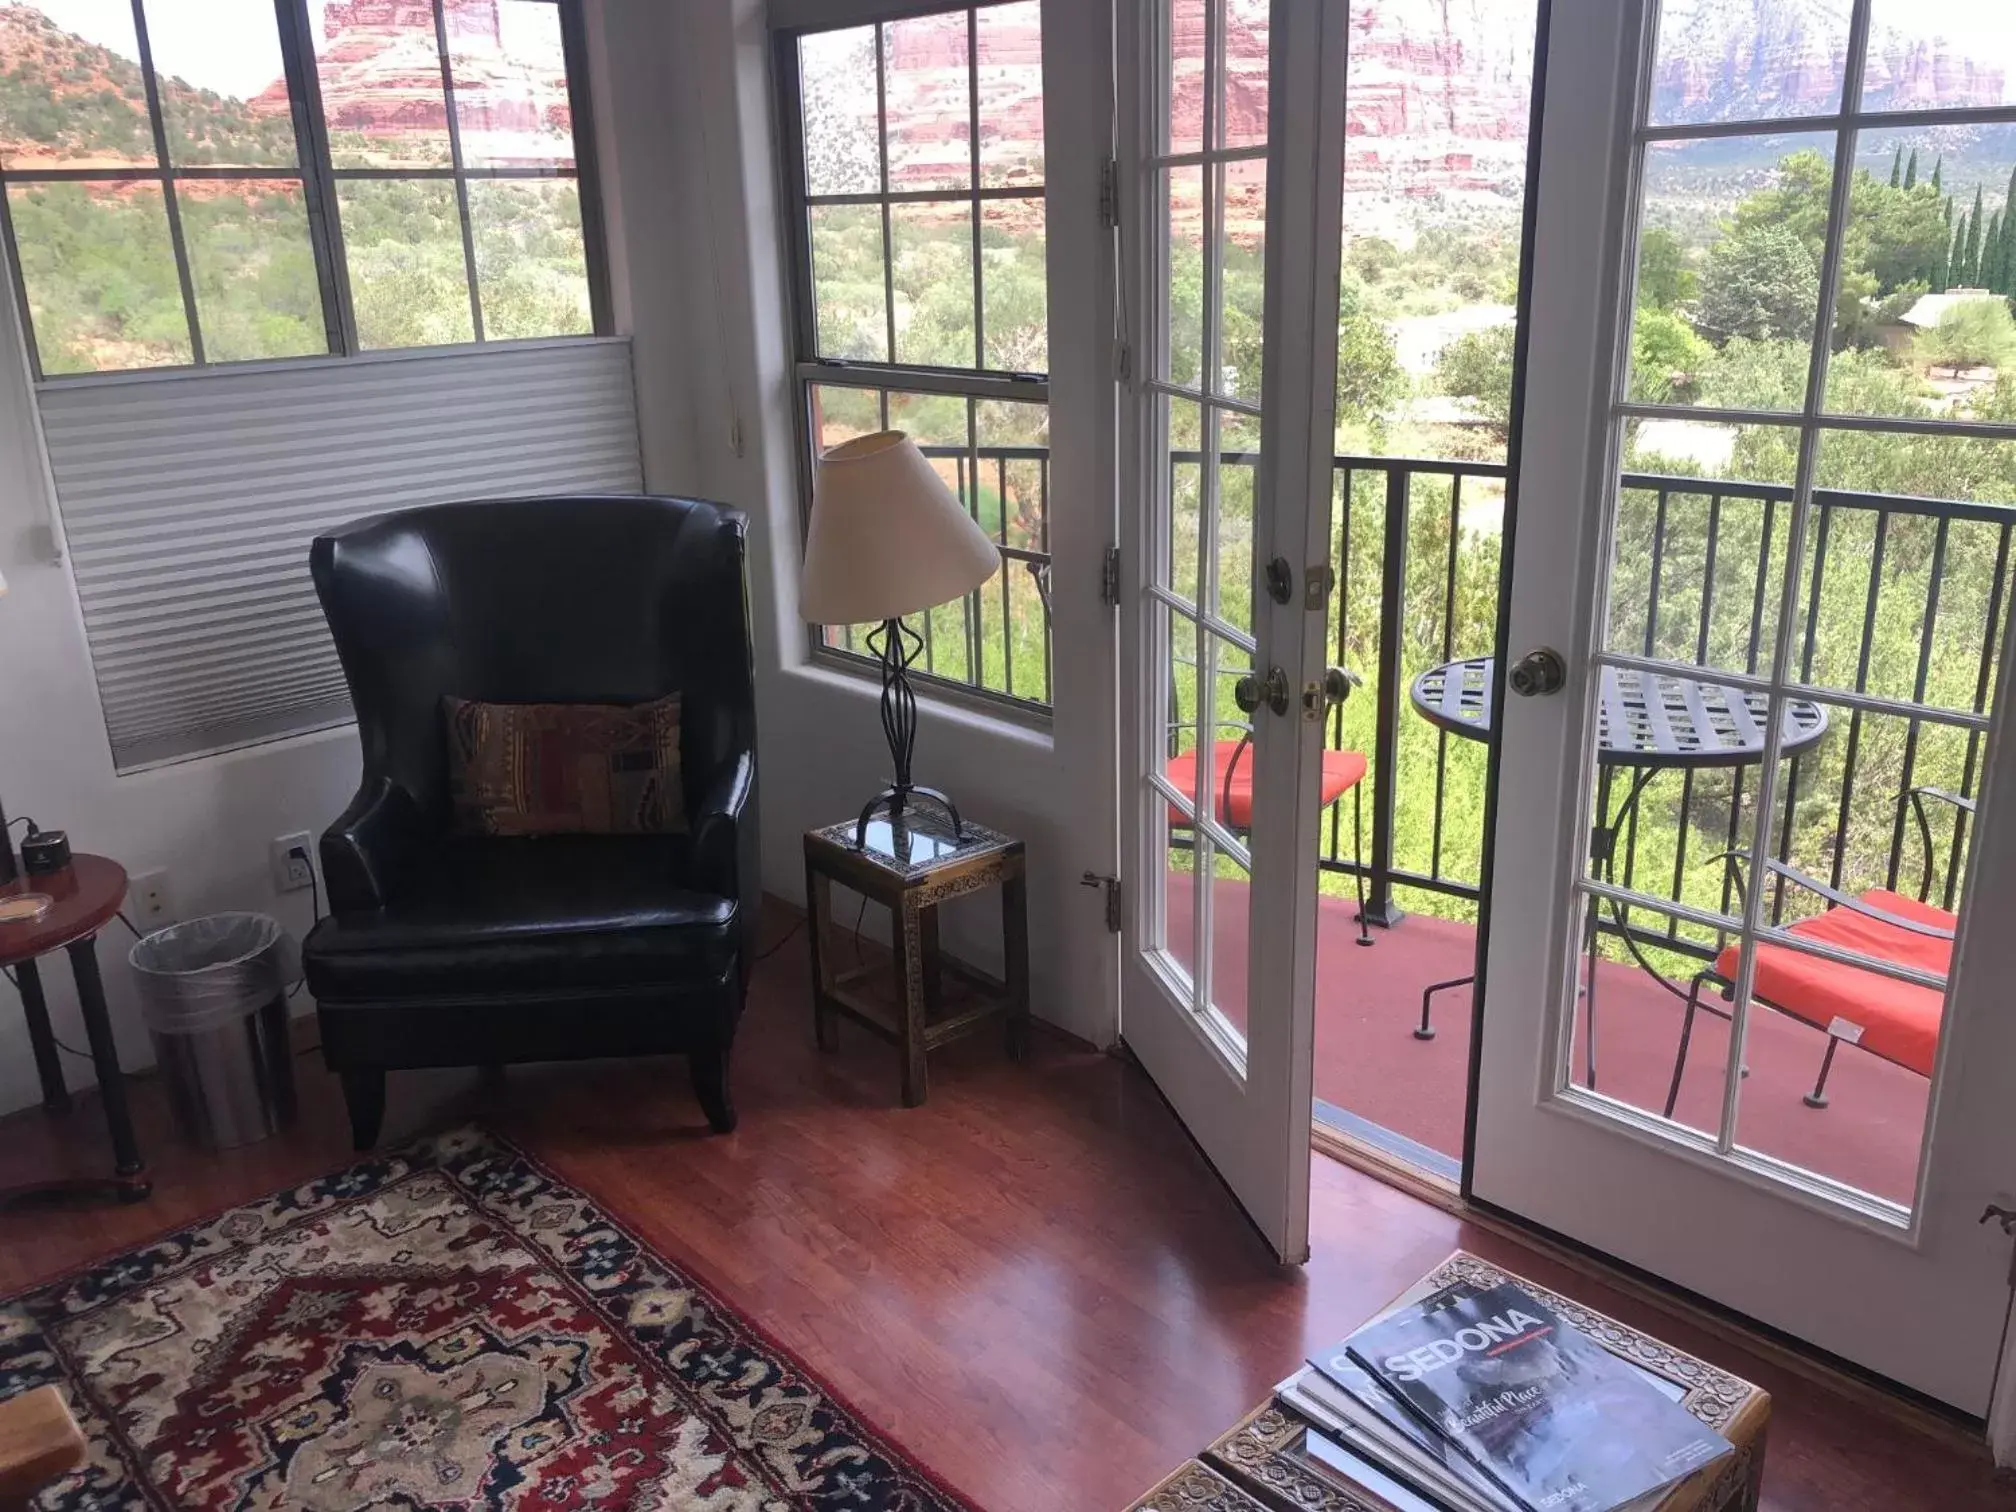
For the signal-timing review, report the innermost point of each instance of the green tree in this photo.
(1911, 171)
(1897, 168)
(1974, 333)
(1971, 259)
(1665, 281)
(1370, 381)
(1760, 283)
(1939, 172)
(1666, 356)
(1478, 366)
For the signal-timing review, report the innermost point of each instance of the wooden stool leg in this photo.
(818, 907)
(1015, 962)
(908, 938)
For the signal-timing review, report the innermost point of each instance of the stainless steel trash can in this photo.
(213, 994)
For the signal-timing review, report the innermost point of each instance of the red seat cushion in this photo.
(1900, 1021)
(1342, 771)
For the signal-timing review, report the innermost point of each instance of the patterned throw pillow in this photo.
(565, 769)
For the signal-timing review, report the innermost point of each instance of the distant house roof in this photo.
(1932, 308)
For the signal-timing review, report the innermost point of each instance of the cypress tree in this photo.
(1956, 260)
(1897, 168)
(1939, 173)
(1911, 171)
(1991, 255)
(1975, 226)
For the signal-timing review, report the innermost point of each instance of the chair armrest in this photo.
(369, 846)
(724, 832)
(1958, 800)
(1839, 899)
(1916, 798)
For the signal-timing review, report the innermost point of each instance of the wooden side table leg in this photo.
(908, 938)
(48, 1064)
(1015, 962)
(818, 908)
(105, 1056)
(934, 973)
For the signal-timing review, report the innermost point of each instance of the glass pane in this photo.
(509, 67)
(1846, 821)
(1729, 271)
(409, 282)
(849, 298)
(254, 269)
(1179, 889)
(931, 249)
(71, 92)
(100, 274)
(1183, 209)
(1242, 295)
(1925, 325)
(1639, 1009)
(221, 104)
(531, 269)
(1183, 427)
(1181, 736)
(380, 73)
(1238, 473)
(1751, 62)
(1432, 237)
(1185, 22)
(1939, 55)
(1010, 74)
(1702, 519)
(1242, 107)
(836, 72)
(1906, 572)
(1014, 286)
(1228, 793)
(1231, 938)
(1014, 494)
(925, 65)
(841, 414)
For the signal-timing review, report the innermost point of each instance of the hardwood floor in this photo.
(1033, 1282)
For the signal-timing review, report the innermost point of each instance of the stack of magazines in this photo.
(1481, 1398)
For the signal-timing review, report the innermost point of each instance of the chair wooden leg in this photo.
(364, 1095)
(709, 1070)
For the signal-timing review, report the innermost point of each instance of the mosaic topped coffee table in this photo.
(910, 865)
(1265, 1463)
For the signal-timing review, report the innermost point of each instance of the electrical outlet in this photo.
(147, 894)
(293, 864)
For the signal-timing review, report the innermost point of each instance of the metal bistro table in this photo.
(1648, 722)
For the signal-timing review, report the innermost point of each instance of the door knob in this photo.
(1538, 673)
(1251, 691)
(1336, 686)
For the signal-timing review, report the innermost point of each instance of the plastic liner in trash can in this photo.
(213, 994)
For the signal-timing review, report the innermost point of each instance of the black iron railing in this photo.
(1696, 580)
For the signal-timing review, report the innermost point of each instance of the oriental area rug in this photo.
(445, 1326)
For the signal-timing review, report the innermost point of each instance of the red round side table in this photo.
(87, 894)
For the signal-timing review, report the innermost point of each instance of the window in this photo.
(914, 159)
(194, 182)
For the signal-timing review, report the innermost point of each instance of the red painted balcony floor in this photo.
(1368, 1062)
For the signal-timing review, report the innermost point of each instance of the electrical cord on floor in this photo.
(129, 924)
(782, 940)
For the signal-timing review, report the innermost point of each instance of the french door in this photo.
(1226, 442)
(1782, 733)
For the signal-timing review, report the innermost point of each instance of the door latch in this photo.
(1318, 698)
(1251, 691)
(1112, 887)
(1280, 580)
(2006, 1217)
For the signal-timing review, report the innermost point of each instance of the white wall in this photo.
(208, 823)
(699, 87)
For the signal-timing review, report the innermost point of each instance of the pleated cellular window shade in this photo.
(188, 504)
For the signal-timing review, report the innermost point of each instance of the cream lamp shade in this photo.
(887, 537)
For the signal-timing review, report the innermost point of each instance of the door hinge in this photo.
(1109, 194)
(1112, 886)
(1109, 578)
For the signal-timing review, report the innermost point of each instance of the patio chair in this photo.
(1896, 1020)
(1232, 782)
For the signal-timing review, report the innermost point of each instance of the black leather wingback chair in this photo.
(446, 950)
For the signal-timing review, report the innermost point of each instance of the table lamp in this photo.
(889, 539)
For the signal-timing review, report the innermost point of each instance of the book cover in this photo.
(1552, 1416)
